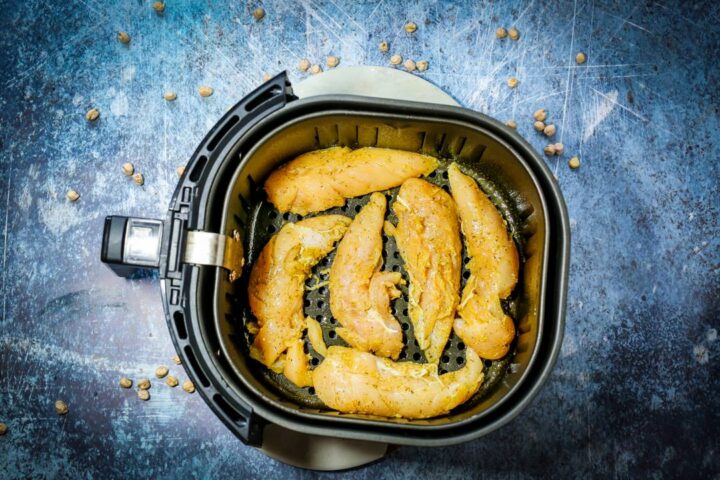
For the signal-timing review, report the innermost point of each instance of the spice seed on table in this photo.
(176, 359)
(549, 150)
(580, 58)
(123, 37)
(315, 69)
(396, 59)
(72, 195)
(144, 384)
(383, 46)
(188, 386)
(3, 428)
(410, 27)
(409, 65)
(170, 96)
(574, 163)
(128, 169)
(171, 381)
(539, 126)
(143, 395)
(266, 77)
(61, 408)
(332, 61)
(422, 65)
(514, 34)
(540, 115)
(512, 124)
(180, 171)
(259, 13)
(92, 115)
(549, 130)
(304, 65)
(159, 7)
(205, 91)
(161, 371)
(559, 148)
(501, 33)
(139, 179)
(512, 82)
(125, 382)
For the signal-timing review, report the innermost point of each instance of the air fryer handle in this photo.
(131, 245)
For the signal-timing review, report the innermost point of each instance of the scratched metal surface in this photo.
(635, 392)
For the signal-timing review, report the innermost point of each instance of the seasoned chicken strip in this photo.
(358, 382)
(493, 269)
(360, 293)
(322, 179)
(277, 279)
(428, 236)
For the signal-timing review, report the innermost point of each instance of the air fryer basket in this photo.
(221, 192)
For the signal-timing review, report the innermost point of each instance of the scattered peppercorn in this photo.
(205, 91)
(513, 34)
(422, 65)
(61, 408)
(92, 115)
(332, 61)
(315, 69)
(159, 7)
(123, 37)
(409, 65)
(501, 33)
(539, 126)
(176, 360)
(540, 115)
(143, 384)
(574, 163)
(304, 65)
(72, 195)
(549, 130)
(171, 381)
(512, 124)
(396, 59)
(125, 382)
(139, 179)
(384, 47)
(3, 428)
(259, 13)
(188, 386)
(410, 27)
(559, 148)
(143, 395)
(161, 371)
(170, 96)
(549, 150)
(580, 58)
(512, 82)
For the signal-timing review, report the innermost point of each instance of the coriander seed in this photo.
(512, 82)
(580, 58)
(128, 169)
(549, 150)
(559, 148)
(574, 163)
(170, 96)
(188, 386)
(180, 170)
(176, 360)
(409, 65)
(549, 130)
(161, 371)
(315, 69)
(384, 47)
(396, 59)
(540, 115)
(512, 124)
(422, 65)
(171, 381)
(143, 384)
(501, 33)
(123, 37)
(410, 27)
(332, 61)
(138, 179)
(92, 115)
(125, 382)
(72, 195)
(61, 408)
(259, 13)
(539, 126)
(205, 91)
(159, 7)
(143, 395)
(3, 428)
(266, 77)
(514, 34)
(304, 65)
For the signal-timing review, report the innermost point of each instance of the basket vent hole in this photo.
(332, 334)
(405, 326)
(286, 216)
(433, 174)
(357, 208)
(396, 254)
(319, 318)
(320, 304)
(332, 320)
(459, 360)
(271, 228)
(443, 371)
(179, 320)
(488, 363)
(403, 355)
(315, 361)
(311, 390)
(445, 175)
(273, 214)
(405, 311)
(306, 303)
(416, 343)
(306, 349)
(446, 188)
(445, 359)
(395, 268)
(466, 274)
(416, 356)
(323, 291)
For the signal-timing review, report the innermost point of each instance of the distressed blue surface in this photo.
(635, 392)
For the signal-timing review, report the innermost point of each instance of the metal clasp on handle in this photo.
(206, 248)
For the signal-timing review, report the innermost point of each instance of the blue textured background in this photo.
(635, 392)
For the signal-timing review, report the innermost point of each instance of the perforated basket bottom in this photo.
(266, 221)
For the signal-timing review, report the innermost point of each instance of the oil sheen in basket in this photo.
(267, 221)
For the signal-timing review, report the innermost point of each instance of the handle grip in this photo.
(131, 244)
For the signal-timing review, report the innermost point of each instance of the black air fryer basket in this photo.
(219, 221)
